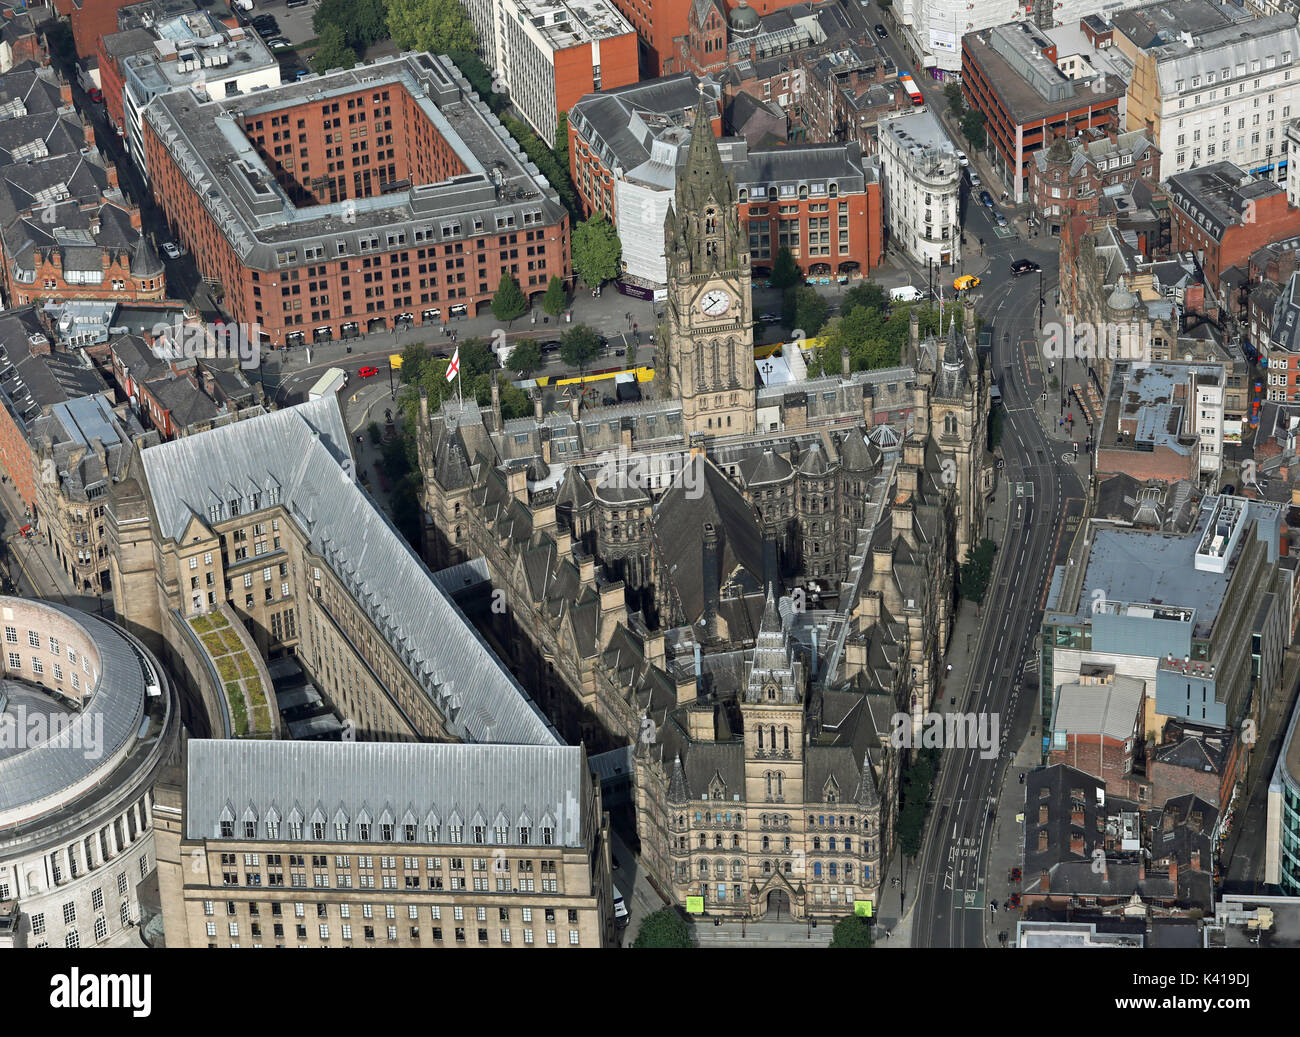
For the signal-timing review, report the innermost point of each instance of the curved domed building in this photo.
(87, 719)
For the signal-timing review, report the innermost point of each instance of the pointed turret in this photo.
(703, 178)
(677, 783)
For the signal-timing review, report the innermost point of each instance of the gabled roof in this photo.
(301, 454)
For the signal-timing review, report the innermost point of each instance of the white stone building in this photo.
(922, 187)
(87, 719)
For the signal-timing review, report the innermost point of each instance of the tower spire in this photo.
(704, 176)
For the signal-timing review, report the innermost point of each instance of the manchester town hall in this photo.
(743, 583)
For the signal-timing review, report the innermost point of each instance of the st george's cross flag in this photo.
(453, 369)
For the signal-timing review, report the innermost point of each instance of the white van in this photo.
(905, 294)
(620, 910)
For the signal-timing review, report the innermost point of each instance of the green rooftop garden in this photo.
(250, 712)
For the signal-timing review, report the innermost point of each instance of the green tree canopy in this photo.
(805, 310)
(332, 50)
(664, 928)
(480, 78)
(363, 21)
(525, 358)
(977, 571)
(596, 251)
(545, 159)
(955, 102)
(508, 302)
(865, 293)
(972, 128)
(555, 299)
(579, 346)
(433, 25)
(785, 271)
(851, 931)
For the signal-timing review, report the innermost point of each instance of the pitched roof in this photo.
(301, 456)
(439, 783)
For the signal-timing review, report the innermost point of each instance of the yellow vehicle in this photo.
(966, 282)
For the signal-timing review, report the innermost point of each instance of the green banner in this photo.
(695, 905)
(862, 908)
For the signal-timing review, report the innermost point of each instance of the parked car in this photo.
(962, 160)
(973, 177)
(986, 200)
(1024, 266)
(620, 911)
(404, 318)
(550, 347)
(966, 282)
(170, 250)
(770, 318)
(278, 43)
(95, 94)
(368, 372)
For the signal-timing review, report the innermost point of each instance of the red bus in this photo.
(909, 84)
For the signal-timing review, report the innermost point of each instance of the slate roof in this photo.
(440, 783)
(109, 718)
(700, 495)
(301, 455)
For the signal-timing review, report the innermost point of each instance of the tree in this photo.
(332, 51)
(851, 931)
(785, 271)
(579, 346)
(664, 928)
(596, 251)
(953, 92)
(363, 21)
(805, 310)
(476, 358)
(972, 128)
(555, 299)
(546, 161)
(414, 358)
(865, 293)
(435, 25)
(508, 302)
(479, 78)
(974, 576)
(562, 138)
(525, 358)
(515, 403)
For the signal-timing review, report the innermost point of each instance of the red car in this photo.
(368, 372)
(95, 94)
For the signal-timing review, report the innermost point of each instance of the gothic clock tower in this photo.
(708, 340)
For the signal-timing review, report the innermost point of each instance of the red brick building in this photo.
(389, 219)
(1224, 215)
(1071, 177)
(659, 23)
(91, 19)
(1028, 102)
(70, 232)
(1098, 728)
(819, 199)
(38, 376)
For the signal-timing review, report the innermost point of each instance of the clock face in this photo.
(715, 303)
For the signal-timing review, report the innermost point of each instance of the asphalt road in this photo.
(950, 906)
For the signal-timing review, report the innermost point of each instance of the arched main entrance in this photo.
(778, 904)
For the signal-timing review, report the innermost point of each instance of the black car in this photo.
(882, 32)
(986, 199)
(1024, 266)
(264, 20)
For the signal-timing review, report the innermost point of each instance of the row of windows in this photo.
(386, 832)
